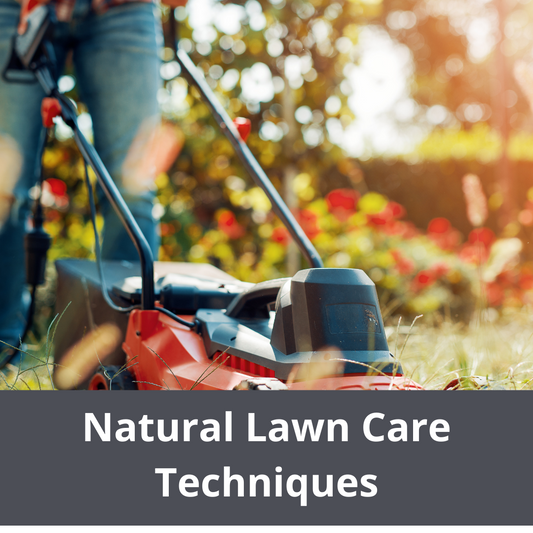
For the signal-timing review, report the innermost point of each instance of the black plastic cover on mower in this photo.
(185, 287)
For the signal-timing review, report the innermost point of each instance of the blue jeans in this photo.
(116, 63)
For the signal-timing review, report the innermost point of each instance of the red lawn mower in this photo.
(188, 325)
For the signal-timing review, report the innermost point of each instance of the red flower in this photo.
(423, 279)
(227, 223)
(404, 266)
(441, 232)
(439, 225)
(343, 198)
(377, 220)
(398, 211)
(281, 235)
(478, 247)
(309, 222)
(56, 187)
(484, 236)
(387, 216)
(342, 202)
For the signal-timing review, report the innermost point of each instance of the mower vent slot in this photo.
(247, 366)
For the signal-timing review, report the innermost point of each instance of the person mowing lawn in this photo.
(115, 51)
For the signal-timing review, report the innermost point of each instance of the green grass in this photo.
(499, 348)
(33, 371)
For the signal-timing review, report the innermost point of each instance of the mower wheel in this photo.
(109, 378)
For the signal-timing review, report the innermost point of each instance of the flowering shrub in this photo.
(412, 270)
(415, 270)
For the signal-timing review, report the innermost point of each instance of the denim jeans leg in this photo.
(117, 65)
(20, 126)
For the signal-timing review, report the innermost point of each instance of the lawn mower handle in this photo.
(223, 120)
(91, 156)
(30, 51)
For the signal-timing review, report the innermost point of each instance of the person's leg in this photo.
(20, 127)
(117, 65)
(19, 134)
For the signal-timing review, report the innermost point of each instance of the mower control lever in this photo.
(230, 130)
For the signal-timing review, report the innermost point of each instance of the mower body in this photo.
(320, 329)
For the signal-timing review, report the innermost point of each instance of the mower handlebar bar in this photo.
(248, 160)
